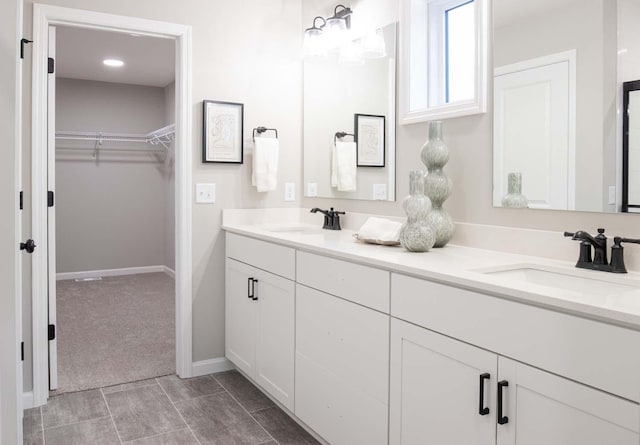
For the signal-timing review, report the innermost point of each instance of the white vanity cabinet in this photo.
(259, 314)
(342, 350)
(436, 380)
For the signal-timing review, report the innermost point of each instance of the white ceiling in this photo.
(148, 61)
(506, 12)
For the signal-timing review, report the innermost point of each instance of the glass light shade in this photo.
(351, 53)
(336, 31)
(314, 43)
(373, 45)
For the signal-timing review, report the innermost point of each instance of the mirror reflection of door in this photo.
(631, 147)
(534, 130)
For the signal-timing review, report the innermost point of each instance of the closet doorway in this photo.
(113, 219)
(111, 282)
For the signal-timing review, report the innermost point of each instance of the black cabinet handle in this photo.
(501, 419)
(483, 410)
(250, 289)
(253, 290)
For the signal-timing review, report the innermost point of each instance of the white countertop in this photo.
(462, 267)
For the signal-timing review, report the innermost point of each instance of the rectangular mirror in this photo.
(353, 94)
(559, 67)
(631, 147)
(444, 59)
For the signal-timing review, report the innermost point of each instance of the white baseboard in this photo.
(114, 272)
(27, 400)
(211, 366)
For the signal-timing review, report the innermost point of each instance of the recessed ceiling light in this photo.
(113, 62)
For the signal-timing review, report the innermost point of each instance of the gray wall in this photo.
(10, 396)
(247, 52)
(110, 210)
(470, 141)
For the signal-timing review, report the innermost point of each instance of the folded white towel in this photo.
(343, 166)
(380, 229)
(265, 164)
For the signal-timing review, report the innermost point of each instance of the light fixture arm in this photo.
(313, 25)
(344, 13)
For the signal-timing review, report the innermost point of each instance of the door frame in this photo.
(43, 17)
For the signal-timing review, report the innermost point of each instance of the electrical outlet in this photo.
(380, 192)
(205, 193)
(612, 194)
(289, 191)
(312, 189)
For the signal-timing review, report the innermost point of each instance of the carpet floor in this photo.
(116, 330)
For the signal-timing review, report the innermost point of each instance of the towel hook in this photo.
(261, 130)
(342, 134)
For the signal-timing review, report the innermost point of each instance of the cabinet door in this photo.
(435, 389)
(543, 408)
(342, 369)
(240, 316)
(275, 336)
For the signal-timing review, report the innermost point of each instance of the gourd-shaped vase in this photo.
(416, 234)
(515, 199)
(435, 155)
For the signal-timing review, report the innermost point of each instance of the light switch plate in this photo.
(312, 189)
(612, 194)
(380, 192)
(205, 193)
(289, 191)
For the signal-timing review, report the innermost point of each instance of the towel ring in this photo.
(261, 130)
(341, 134)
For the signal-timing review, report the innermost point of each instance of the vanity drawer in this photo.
(361, 284)
(595, 353)
(271, 257)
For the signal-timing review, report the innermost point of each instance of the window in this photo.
(459, 52)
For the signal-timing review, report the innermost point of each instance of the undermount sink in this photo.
(583, 282)
(302, 229)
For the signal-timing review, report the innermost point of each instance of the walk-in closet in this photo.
(113, 199)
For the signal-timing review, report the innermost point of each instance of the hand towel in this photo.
(265, 164)
(343, 163)
(381, 230)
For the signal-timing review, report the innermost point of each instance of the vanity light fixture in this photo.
(373, 46)
(314, 43)
(351, 53)
(114, 63)
(333, 32)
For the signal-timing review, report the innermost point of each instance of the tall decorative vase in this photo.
(416, 234)
(515, 199)
(435, 155)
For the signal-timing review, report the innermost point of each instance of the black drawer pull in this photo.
(253, 290)
(501, 419)
(483, 410)
(250, 289)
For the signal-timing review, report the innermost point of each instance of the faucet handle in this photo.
(626, 240)
(571, 234)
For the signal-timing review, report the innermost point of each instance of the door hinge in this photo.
(49, 198)
(23, 42)
(51, 65)
(52, 332)
(22, 351)
(21, 200)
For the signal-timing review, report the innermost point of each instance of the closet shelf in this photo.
(162, 136)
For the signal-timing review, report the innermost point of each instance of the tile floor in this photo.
(222, 408)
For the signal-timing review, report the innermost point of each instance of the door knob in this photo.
(29, 246)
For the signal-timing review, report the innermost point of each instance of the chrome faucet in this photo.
(599, 244)
(331, 218)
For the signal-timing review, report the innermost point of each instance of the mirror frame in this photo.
(476, 105)
(627, 88)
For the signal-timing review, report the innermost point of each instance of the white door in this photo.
(442, 390)
(51, 214)
(240, 315)
(275, 336)
(546, 409)
(534, 132)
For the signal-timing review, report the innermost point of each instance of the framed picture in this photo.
(370, 137)
(222, 132)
